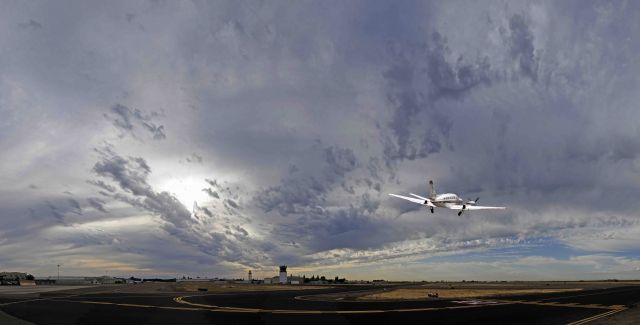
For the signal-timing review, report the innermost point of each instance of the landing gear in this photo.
(463, 208)
(431, 209)
(460, 213)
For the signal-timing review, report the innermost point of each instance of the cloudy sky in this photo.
(288, 122)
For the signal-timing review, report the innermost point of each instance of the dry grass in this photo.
(236, 287)
(173, 287)
(455, 293)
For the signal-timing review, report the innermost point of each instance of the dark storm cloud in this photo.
(131, 175)
(624, 148)
(157, 131)
(194, 158)
(213, 183)
(208, 212)
(290, 195)
(102, 185)
(126, 119)
(31, 24)
(421, 76)
(64, 211)
(521, 49)
(319, 225)
(339, 161)
(231, 203)
(355, 227)
(449, 80)
(97, 204)
(211, 193)
(298, 191)
(55, 212)
(308, 114)
(75, 205)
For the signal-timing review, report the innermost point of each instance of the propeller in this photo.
(464, 206)
(473, 201)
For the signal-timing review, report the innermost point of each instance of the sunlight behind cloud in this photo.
(186, 189)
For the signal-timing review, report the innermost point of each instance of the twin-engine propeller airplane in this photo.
(448, 200)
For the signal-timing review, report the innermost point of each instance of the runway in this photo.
(335, 305)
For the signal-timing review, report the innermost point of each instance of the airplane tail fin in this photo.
(432, 192)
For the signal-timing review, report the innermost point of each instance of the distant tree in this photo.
(323, 278)
(30, 277)
(336, 279)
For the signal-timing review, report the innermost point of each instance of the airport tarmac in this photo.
(337, 305)
(31, 290)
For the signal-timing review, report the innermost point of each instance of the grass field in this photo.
(422, 293)
(154, 287)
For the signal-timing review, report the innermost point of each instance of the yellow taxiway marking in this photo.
(131, 305)
(182, 300)
(592, 318)
(36, 299)
(612, 309)
(559, 304)
(204, 307)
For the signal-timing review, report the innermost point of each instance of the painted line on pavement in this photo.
(592, 318)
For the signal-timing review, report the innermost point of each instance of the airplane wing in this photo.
(418, 196)
(414, 200)
(474, 207)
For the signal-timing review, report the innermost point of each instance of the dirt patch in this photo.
(420, 293)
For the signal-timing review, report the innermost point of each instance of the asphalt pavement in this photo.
(325, 306)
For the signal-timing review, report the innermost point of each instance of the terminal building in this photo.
(283, 278)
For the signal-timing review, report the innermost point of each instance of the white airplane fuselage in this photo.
(446, 200)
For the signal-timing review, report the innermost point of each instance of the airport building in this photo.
(78, 280)
(283, 274)
(283, 278)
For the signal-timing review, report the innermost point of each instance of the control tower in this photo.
(283, 274)
(250, 276)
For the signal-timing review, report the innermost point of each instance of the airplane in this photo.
(448, 200)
